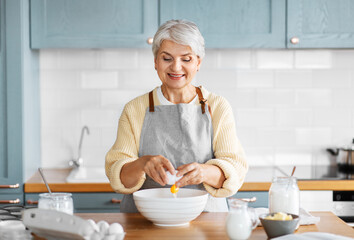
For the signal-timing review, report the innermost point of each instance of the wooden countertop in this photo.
(207, 226)
(57, 182)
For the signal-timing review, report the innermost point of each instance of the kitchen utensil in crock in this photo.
(345, 157)
(45, 181)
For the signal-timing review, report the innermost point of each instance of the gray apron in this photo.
(182, 133)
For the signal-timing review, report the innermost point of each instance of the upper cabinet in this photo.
(92, 23)
(223, 23)
(232, 23)
(320, 24)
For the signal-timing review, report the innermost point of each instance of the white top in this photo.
(164, 100)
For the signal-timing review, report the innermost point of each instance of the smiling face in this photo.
(176, 64)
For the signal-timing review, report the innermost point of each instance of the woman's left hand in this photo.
(197, 173)
(193, 173)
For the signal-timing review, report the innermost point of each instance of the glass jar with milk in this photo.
(56, 201)
(284, 195)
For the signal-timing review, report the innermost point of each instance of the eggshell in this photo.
(172, 179)
(94, 225)
(115, 228)
(103, 226)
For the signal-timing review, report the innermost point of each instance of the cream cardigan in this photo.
(228, 152)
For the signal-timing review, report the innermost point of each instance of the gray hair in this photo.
(182, 32)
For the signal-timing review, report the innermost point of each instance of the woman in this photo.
(177, 127)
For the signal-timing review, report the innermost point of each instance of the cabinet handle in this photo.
(10, 186)
(294, 40)
(150, 40)
(30, 202)
(114, 200)
(16, 201)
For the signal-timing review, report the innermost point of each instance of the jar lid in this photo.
(56, 195)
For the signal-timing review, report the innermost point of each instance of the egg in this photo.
(115, 228)
(172, 179)
(93, 225)
(103, 226)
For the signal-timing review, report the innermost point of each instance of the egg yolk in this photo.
(174, 189)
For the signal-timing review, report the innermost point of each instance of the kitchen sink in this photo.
(87, 175)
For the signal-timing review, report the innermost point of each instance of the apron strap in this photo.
(151, 102)
(202, 100)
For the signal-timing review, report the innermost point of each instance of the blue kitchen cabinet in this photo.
(262, 198)
(86, 202)
(19, 115)
(320, 24)
(232, 23)
(92, 23)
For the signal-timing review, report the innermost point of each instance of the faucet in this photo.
(77, 162)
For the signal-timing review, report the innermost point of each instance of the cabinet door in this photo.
(320, 24)
(3, 142)
(10, 101)
(232, 23)
(92, 23)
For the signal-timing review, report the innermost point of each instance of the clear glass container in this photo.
(241, 220)
(284, 195)
(56, 201)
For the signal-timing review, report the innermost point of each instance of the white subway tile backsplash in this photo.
(210, 60)
(101, 118)
(275, 98)
(99, 80)
(260, 156)
(119, 59)
(343, 59)
(289, 105)
(59, 118)
(118, 97)
(275, 59)
(77, 100)
(49, 59)
(77, 59)
(332, 117)
(313, 98)
(287, 117)
(216, 79)
(313, 59)
(293, 79)
(139, 80)
(293, 157)
(59, 79)
(313, 136)
(145, 59)
(235, 59)
(331, 78)
(279, 137)
(343, 98)
(239, 98)
(108, 136)
(255, 79)
(254, 117)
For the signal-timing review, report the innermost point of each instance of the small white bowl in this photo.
(160, 207)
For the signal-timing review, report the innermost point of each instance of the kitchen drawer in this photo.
(97, 202)
(87, 202)
(262, 198)
(9, 199)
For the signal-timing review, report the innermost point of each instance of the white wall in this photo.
(289, 105)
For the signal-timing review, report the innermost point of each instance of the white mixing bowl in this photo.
(160, 207)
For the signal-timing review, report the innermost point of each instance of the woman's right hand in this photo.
(155, 166)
